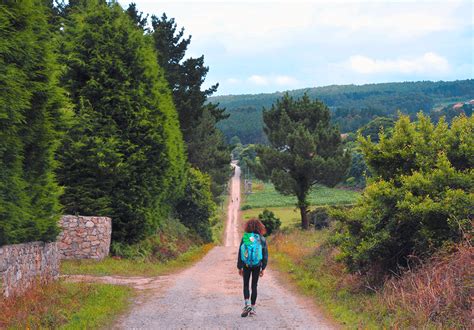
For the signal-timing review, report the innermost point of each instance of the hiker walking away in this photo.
(252, 261)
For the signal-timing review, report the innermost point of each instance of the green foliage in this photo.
(124, 155)
(421, 196)
(305, 149)
(376, 126)
(31, 117)
(351, 106)
(196, 208)
(270, 221)
(206, 146)
(246, 155)
(358, 170)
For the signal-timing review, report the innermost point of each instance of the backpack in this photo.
(251, 250)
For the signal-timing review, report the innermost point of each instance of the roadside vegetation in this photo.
(432, 294)
(134, 267)
(401, 257)
(64, 305)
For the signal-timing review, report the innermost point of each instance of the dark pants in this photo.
(255, 272)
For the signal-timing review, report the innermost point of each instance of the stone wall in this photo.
(21, 265)
(84, 237)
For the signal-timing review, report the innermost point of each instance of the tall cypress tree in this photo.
(305, 149)
(30, 117)
(185, 78)
(125, 155)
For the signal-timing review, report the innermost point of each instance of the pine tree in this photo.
(30, 118)
(125, 156)
(305, 149)
(185, 77)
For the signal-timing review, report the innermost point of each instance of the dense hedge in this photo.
(124, 157)
(420, 197)
(30, 119)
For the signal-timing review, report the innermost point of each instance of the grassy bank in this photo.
(264, 195)
(133, 267)
(65, 306)
(311, 268)
(432, 296)
(219, 222)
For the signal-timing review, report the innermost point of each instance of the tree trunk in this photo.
(304, 217)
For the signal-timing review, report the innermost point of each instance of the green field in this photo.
(264, 196)
(289, 216)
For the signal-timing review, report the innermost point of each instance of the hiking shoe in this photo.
(253, 311)
(245, 311)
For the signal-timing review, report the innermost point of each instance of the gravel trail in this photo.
(209, 294)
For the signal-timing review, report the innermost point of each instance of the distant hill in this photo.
(352, 106)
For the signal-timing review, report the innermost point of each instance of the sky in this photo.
(266, 46)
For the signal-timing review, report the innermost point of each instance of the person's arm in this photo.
(264, 254)
(240, 264)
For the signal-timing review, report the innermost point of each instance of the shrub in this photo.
(420, 198)
(270, 221)
(319, 218)
(196, 208)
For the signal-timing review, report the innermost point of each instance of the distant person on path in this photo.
(252, 261)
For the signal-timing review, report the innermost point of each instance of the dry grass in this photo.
(64, 305)
(434, 294)
(438, 291)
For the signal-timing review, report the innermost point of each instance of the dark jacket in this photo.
(263, 263)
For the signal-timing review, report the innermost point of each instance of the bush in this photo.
(270, 221)
(196, 208)
(420, 198)
(319, 218)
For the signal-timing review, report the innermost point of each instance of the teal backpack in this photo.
(251, 250)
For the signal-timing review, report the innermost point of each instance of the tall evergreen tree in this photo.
(185, 77)
(30, 117)
(125, 155)
(305, 149)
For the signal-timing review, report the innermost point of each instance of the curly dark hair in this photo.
(255, 226)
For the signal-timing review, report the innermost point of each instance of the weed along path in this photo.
(208, 295)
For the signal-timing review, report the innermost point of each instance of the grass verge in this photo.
(62, 305)
(131, 267)
(316, 276)
(434, 295)
(219, 222)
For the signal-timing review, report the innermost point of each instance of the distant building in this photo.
(457, 106)
(471, 102)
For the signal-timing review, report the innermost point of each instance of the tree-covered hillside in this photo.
(351, 106)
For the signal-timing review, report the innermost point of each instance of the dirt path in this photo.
(209, 294)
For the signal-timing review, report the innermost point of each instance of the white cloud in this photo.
(285, 80)
(258, 80)
(232, 81)
(256, 26)
(427, 63)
